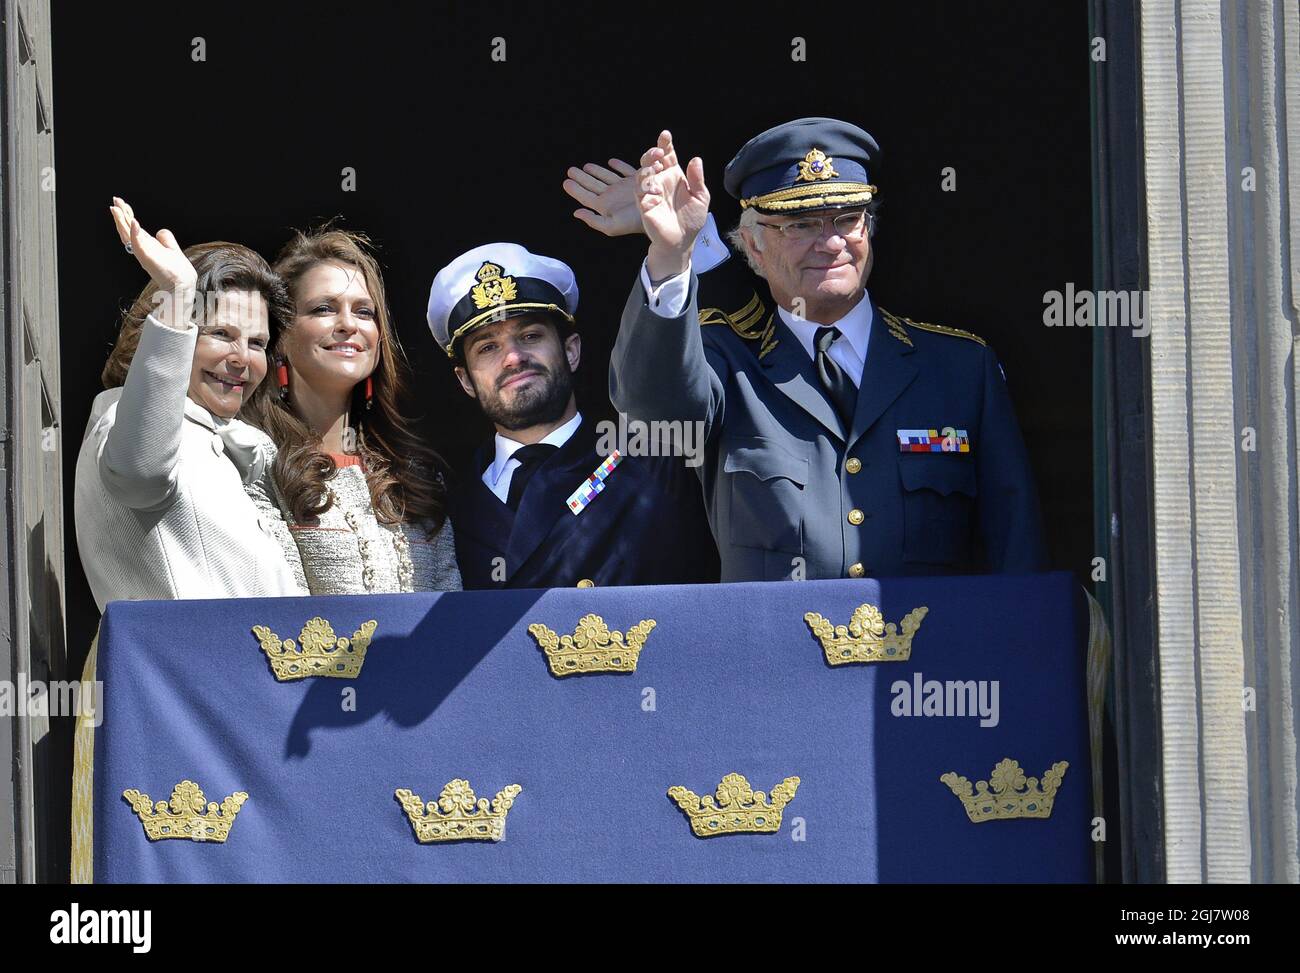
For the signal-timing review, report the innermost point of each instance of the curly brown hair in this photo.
(220, 266)
(405, 476)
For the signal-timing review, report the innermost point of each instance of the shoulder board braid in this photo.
(747, 323)
(742, 321)
(896, 322)
(896, 327)
(768, 337)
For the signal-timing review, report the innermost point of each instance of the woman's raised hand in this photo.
(164, 261)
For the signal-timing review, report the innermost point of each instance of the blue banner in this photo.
(986, 684)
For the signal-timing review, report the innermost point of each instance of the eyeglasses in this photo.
(851, 224)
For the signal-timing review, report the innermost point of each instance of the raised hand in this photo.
(674, 206)
(608, 195)
(163, 260)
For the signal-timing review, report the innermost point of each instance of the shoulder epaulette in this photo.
(896, 327)
(747, 322)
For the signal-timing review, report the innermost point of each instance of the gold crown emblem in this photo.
(816, 165)
(1013, 795)
(318, 653)
(739, 809)
(592, 647)
(866, 638)
(184, 816)
(492, 288)
(458, 815)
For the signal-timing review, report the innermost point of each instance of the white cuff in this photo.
(709, 250)
(668, 300)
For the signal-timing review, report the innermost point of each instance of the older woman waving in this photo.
(160, 502)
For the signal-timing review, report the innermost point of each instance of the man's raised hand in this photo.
(674, 206)
(608, 195)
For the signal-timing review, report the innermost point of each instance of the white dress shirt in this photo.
(849, 350)
(499, 473)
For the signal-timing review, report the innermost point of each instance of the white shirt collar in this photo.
(855, 326)
(506, 447)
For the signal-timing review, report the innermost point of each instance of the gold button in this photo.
(586, 583)
(853, 465)
(856, 570)
(856, 516)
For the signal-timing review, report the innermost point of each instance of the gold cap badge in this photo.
(492, 288)
(816, 165)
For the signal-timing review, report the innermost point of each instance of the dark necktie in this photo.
(530, 458)
(843, 393)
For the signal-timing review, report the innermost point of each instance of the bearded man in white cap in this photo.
(548, 502)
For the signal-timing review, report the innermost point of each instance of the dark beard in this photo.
(535, 406)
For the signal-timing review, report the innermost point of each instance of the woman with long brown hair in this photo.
(160, 502)
(362, 497)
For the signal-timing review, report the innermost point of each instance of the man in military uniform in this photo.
(841, 440)
(544, 507)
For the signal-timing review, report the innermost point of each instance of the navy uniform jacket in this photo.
(788, 491)
(646, 527)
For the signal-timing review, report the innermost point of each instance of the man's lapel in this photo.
(482, 514)
(888, 371)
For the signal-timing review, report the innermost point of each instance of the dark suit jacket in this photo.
(646, 527)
